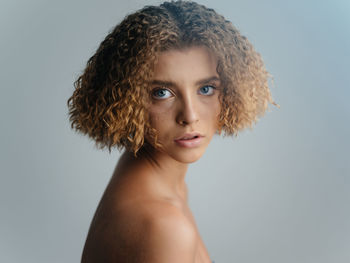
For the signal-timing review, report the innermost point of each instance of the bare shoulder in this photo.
(169, 237)
(152, 231)
(164, 234)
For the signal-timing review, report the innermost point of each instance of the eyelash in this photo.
(158, 89)
(211, 86)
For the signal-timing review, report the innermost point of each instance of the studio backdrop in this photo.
(277, 193)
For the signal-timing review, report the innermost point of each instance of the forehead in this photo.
(185, 64)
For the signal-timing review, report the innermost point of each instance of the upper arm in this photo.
(162, 234)
(169, 237)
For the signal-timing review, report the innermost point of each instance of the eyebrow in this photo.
(166, 83)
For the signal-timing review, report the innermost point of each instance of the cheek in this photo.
(211, 112)
(158, 118)
(161, 111)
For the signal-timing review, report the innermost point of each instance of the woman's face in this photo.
(184, 102)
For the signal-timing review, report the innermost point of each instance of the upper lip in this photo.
(189, 136)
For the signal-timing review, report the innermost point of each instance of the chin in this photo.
(187, 155)
(182, 154)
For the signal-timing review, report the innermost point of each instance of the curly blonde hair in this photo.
(110, 97)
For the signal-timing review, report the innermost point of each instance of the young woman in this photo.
(161, 84)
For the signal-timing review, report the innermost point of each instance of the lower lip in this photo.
(189, 143)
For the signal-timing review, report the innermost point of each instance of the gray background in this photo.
(277, 193)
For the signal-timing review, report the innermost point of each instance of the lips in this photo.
(189, 136)
(189, 140)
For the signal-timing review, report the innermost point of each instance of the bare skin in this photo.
(144, 215)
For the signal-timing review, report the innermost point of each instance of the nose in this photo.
(187, 113)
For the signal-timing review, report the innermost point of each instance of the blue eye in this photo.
(207, 90)
(161, 94)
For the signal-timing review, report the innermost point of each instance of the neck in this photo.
(163, 168)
